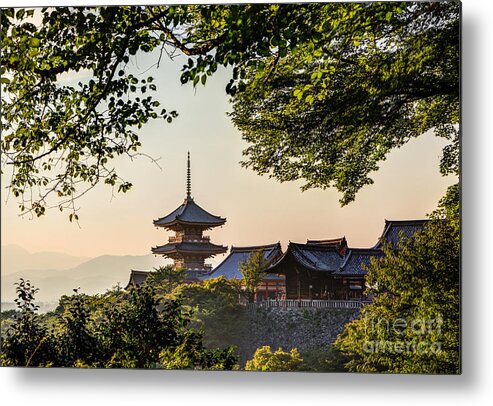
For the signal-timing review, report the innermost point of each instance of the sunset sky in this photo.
(259, 210)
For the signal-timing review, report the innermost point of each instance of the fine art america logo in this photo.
(400, 336)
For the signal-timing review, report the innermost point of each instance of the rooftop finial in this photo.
(189, 180)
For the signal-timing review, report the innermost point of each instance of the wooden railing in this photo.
(205, 269)
(178, 239)
(175, 239)
(327, 304)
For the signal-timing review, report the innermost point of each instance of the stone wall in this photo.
(301, 328)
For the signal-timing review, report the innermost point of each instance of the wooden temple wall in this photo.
(308, 285)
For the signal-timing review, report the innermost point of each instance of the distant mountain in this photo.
(16, 258)
(93, 276)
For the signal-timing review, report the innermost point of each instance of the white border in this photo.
(85, 387)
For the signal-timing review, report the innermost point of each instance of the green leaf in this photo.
(34, 42)
(298, 93)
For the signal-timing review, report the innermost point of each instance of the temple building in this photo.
(329, 269)
(189, 248)
(272, 286)
(137, 277)
(340, 244)
(394, 230)
(326, 269)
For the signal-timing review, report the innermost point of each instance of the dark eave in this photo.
(190, 213)
(357, 260)
(314, 257)
(189, 248)
(137, 278)
(394, 229)
(329, 241)
(229, 268)
(252, 248)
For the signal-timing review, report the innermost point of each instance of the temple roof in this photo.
(356, 260)
(316, 257)
(393, 229)
(335, 242)
(190, 213)
(189, 247)
(137, 278)
(230, 266)
(339, 243)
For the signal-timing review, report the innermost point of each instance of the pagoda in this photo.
(189, 248)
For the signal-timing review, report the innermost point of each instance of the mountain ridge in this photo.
(16, 258)
(94, 275)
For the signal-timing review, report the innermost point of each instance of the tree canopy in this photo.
(413, 322)
(370, 77)
(215, 310)
(264, 360)
(134, 329)
(322, 92)
(253, 271)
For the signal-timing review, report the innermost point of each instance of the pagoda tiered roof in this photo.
(190, 213)
(200, 248)
(229, 268)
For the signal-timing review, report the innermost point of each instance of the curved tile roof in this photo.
(137, 277)
(335, 242)
(356, 261)
(393, 229)
(230, 266)
(317, 257)
(189, 247)
(190, 212)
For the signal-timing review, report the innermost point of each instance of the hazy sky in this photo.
(259, 210)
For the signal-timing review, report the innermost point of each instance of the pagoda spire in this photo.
(189, 179)
(189, 248)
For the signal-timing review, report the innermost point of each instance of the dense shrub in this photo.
(134, 329)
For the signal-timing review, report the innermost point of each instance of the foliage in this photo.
(216, 311)
(324, 359)
(192, 354)
(322, 91)
(135, 332)
(253, 271)
(72, 338)
(57, 136)
(26, 339)
(9, 314)
(116, 330)
(370, 78)
(165, 279)
(317, 359)
(413, 323)
(265, 360)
